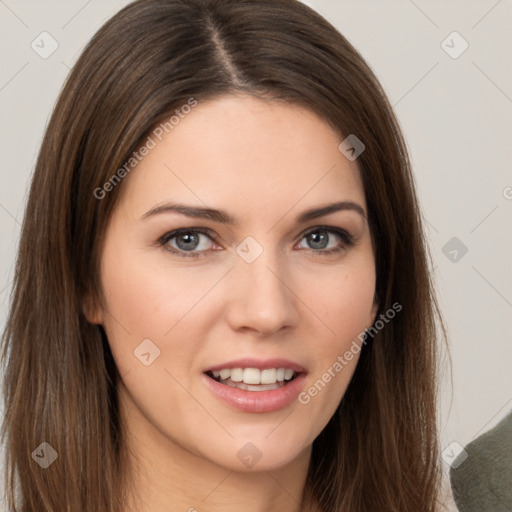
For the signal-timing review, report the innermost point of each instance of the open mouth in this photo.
(253, 379)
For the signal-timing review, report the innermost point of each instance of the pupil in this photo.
(318, 241)
(191, 241)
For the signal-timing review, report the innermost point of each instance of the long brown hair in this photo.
(379, 451)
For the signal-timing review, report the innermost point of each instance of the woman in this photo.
(222, 298)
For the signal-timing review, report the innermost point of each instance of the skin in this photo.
(264, 163)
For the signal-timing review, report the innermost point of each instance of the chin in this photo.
(263, 450)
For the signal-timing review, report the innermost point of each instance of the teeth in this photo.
(251, 376)
(254, 376)
(269, 376)
(237, 375)
(249, 387)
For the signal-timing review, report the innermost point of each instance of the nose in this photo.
(261, 297)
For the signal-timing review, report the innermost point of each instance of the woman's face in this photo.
(256, 282)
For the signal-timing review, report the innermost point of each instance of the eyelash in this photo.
(347, 240)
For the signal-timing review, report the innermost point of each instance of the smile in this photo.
(254, 386)
(253, 379)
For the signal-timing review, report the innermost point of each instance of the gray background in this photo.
(456, 117)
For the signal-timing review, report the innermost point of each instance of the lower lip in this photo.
(257, 401)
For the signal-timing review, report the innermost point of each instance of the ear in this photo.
(92, 312)
(375, 308)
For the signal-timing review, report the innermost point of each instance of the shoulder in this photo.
(483, 480)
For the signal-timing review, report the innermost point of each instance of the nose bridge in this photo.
(262, 298)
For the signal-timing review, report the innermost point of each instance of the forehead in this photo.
(246, 155)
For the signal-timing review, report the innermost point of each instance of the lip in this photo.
(257, 401)
(261, 364)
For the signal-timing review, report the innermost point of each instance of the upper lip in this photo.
(261, 364)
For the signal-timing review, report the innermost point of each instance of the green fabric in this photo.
(483, 482)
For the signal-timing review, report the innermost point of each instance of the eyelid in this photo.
(164, 239)
(343, 233)
(347, 238)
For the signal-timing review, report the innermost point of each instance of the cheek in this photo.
(147, 303)
(343, 304)
(343, 301)
(148, 300)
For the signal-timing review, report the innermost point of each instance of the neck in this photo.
(166, 476)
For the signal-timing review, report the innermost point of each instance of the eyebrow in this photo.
(223, 217)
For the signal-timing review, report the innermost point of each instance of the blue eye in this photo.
(193, 242)
(319, 239)
(186, 241)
